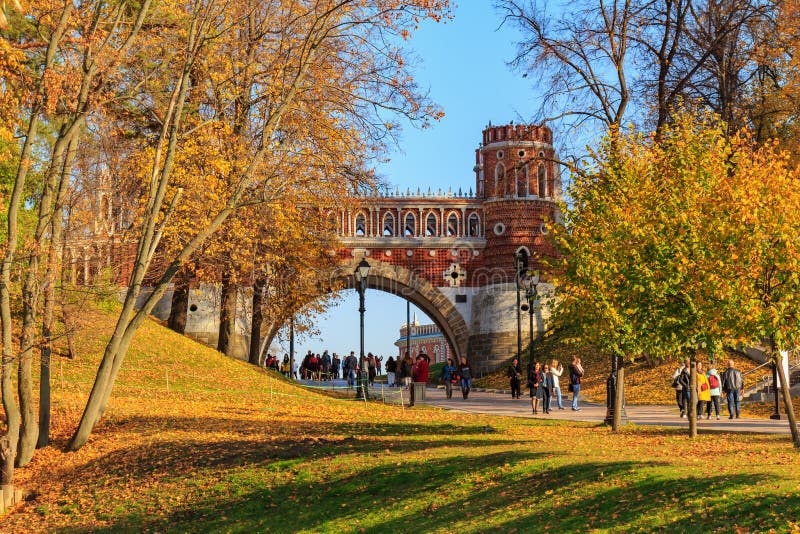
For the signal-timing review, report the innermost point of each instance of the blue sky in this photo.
(463, 63)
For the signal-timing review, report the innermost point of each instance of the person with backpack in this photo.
(703, 390)
(715, 383)
(685, 381)
(678, 387)
(733, 387)
(350, 366)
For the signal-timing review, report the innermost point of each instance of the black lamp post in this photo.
(361, 273)
(531, 283)
(517, 275)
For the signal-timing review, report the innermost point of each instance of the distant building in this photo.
(426, 338)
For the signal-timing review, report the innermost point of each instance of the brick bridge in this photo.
(452, 254)
(449, 253)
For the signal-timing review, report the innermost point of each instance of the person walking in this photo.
(466, 377)
(350, 366)
(391, 368)
(515, 377)
(408, 370)
(677, 384)
(685, 380)
(556, 370)
(715, 385)
(325, 363)
(448, 375)
(733, 388)
(371, 369)
(535, 379)
(575, 378)
(547, 388)
(703, 390)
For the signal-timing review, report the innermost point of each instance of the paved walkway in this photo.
(502, 404)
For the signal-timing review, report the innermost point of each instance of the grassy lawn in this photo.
(229, 448)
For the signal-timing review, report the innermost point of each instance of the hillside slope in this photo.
(178, 407)
(196, 442)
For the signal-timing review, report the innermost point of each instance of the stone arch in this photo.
(404, 283)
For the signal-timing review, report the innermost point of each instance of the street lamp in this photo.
(361, 273)
(518, 266)
(530, 282)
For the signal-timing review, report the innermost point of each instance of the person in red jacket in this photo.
(419, 373)
(421, 369)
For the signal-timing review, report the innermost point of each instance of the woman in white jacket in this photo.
(556, 370)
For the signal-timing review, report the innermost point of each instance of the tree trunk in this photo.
(787, 402)
(691, 410)
(254, 355)
(227, 316)
(53, 267)
(619, 397)
(180, 303)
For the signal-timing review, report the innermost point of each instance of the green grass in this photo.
(230, 448)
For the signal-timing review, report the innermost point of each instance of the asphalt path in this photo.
(502, 404)
(493, 403)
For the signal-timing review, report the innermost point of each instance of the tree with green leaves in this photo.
(651, 241)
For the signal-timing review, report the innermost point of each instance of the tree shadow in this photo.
(294, 506)
(170, 456)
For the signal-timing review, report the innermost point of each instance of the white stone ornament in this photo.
(455, 275)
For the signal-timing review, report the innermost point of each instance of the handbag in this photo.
(570, 388)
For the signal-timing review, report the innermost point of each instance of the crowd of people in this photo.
(326, 366)
(710, 387)
(543, 379)
(544, 383)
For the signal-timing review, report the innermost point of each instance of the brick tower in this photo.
(516, 177)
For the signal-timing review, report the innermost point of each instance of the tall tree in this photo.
(328, 82)
(581, 57)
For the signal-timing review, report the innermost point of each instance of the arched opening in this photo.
(522, 182)
(398, 281)
(524, 259)
(542, 179)
(430, 225)
(452, 225)
(410, 227)
(474, 226)
(499, 179)
(361, 225)
(388, 225)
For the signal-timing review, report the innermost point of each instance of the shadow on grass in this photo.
(300, 505)
(675, 503)
(503, 491)
(171, 456)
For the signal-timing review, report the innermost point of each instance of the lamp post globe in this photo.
(360, 274)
